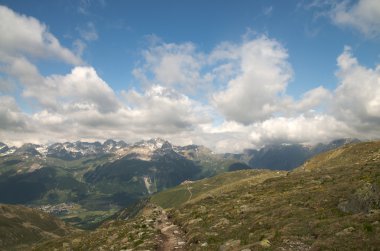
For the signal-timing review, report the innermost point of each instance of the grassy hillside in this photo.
(330, 203)
(22, 225)
(194, 191)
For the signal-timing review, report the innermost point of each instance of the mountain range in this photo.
(275, 156)
(84, 183)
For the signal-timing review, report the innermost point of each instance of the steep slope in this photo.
(47, 184)
(134, 178)
(330, 203)
(22, 225)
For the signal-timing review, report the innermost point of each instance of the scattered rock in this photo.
(66, 246)
(265, 243)
(295, 245)
(140, 234)
(193, 221)
(76, 241)
(202, 209)
(222, 222)
(229, 245)
(363, 200)
(212, 234)
(345, 231)
(112, 238)
(245, 209)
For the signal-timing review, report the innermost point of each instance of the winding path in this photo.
(189, 189)
(171, 235)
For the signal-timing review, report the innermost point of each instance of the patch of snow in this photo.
(10, 151)
(42, 149)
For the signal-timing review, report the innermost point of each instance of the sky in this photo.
(229, 75)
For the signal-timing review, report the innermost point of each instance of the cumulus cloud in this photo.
(11, 116)
(85, 86)
(264, 73)
(299, 129)
(163, 110)
(89, 109)
(82, 85)
(27, 36)
(174, 66)
(316, 98)
(230, 98)
(364, 16)
(357, 97)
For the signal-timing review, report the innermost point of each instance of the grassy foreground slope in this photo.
(332, 202)
(22, 225)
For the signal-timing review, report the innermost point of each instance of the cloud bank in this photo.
(230, 98)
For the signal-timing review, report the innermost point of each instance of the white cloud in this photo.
(84, 85)
(357, 98)
(363, 15)
(163, 110)
(264, 73)
(158, 111)
(316, 98)
(24, 35)
(299, 129)
(11, 116)
(172, 65)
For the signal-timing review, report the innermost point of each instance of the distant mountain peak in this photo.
(153, 144)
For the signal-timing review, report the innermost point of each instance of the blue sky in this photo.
(227, 74)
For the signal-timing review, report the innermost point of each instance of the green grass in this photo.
(22, 225)
(300, 210)
(177, 196)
